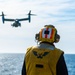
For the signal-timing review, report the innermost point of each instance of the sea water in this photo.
(11, 64)
(70, 62)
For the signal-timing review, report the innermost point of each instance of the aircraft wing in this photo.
(9, 19)
(23, 19)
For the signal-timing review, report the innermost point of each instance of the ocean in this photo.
(11, 63)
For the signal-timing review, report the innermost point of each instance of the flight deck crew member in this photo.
(45, 58)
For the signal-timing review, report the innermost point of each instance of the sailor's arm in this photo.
(23, 69)
(61, 66)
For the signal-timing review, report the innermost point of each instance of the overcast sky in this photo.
(60, 13)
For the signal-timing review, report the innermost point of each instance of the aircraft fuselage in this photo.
(16, 24)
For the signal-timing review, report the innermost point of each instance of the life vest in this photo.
(41, 61)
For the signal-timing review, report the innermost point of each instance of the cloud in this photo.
(57, 12)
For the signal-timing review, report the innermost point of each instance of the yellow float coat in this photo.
(41, 61)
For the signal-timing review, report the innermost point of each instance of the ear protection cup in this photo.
(37, 36)
(57, 38)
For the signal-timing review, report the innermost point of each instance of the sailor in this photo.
(45, 58)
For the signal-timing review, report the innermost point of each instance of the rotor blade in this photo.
(33, 14)
(3, 14)
(29, 13)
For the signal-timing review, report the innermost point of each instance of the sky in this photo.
(60, 13)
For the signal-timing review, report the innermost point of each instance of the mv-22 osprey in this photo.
(17, 21)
